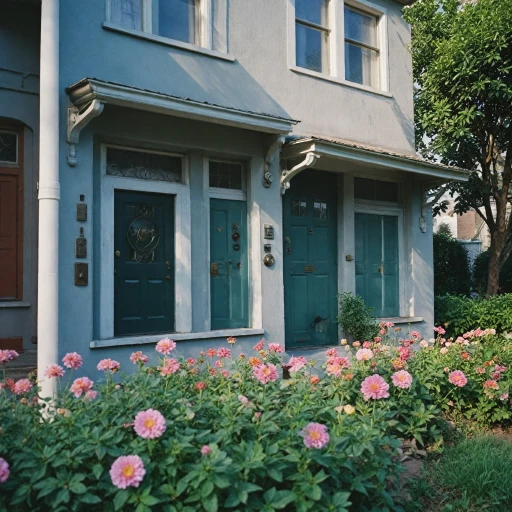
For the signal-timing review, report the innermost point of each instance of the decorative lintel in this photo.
(286, 176)
(273, 149)
(77, 120)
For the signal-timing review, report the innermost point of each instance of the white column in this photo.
(49, 195)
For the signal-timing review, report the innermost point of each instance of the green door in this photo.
(143, 263)
(228, 264)
(376, 238)
(310, 254)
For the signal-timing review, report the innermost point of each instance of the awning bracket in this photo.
(77, 120)
(287, 175)
(273, 149)
(428, 200)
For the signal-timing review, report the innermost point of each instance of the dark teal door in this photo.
(228, 264)
(376, 239)
(310, 266)
(143, 263)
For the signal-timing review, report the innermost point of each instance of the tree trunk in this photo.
(493, 279)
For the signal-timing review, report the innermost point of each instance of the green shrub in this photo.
(481, 271)
(485, 360)
(251, 422)
(356, 318)
(452, 273)
(461, 314)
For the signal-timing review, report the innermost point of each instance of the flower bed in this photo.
(216, 433)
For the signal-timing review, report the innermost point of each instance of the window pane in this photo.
(360, 27)
(320, 210)
(145, 166)
(361, 65)
(127, 13)
(386, 191)
(225, 175)
(299, 208)
(364, 188)
(8, 147)
(177, 19)
(315, 11)
(312, 48)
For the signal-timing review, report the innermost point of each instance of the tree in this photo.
(462, 65)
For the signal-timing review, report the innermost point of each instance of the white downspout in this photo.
(49, 196)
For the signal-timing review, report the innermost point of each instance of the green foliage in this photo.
(485, 359)
(60, 460)
(476, 474)
(461, 314)
(452, 272)
(480, 272)
(444, 229)
(356, 318)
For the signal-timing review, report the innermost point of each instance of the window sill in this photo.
(14, 304)
(168, 42)
(339, 81)
(402, 319)
(189, 336)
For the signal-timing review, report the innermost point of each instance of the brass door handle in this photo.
(381, 269)
(117, 254)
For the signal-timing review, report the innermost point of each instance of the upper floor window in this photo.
(197, 22)
(361, 48)
(312, 34)
(344, 40)
(376, 190)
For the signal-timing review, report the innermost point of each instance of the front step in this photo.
(23, 365)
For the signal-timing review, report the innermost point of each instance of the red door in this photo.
(11, 213)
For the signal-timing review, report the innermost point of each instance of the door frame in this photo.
(370, 207)
(253, 222)
(182, 234)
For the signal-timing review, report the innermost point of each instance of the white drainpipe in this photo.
(49, 196)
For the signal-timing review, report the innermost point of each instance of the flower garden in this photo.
(253, 432)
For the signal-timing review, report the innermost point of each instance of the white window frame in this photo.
(182, 229)
(226, 193)
(204, 35)
(337, 44)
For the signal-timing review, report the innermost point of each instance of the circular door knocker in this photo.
(269, 260)
(235, 236)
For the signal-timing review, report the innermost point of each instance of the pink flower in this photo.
(389, 324)
(225, 373)
(402, 379)
(423, 343)
(81, 385)
(439, 330)
(243, 399)
(443, 350)
(72, 360)
(4, 470)
(336, 364)
(231, 340)
(191, 361)
(500, 369)
(504, 396)
(457, 378)
(90, 395)
(22, 386)
(165, 346)
(297, 363)
(382, 332)
(149, 424)
(127, 471)
(211, 352)
(200, 385)
(377, 339)
(218, 363)
(265, 373)
(169, 367)
(257, 415)
(223, 352)
(108, 365)
(480, 370)
(8, 355)
(415, 334)
(331, 352)
(315, 435)
(364, 354)
(491, 384)
(138, 357)
(259, 346)
(374, 387)
(275, 347)
(205, 450)
(54, 370)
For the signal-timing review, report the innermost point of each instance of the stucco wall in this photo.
(259, 80)
(19, 101)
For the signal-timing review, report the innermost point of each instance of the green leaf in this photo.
(90, 499)
(232, 501)
(120, 499)
(210, 503)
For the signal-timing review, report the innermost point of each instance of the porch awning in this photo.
(89, 95)
(333, 152)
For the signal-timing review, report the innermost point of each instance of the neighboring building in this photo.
(212, 168)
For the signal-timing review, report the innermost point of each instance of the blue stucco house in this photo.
(198, 169)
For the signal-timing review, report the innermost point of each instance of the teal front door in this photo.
(376, 238)
(310, 254)
(143, 263)
(228, 264)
